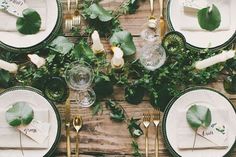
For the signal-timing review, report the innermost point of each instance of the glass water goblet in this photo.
(79, 77)
(153, 56)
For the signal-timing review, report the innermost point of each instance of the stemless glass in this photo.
(153, 56)
(79, 77)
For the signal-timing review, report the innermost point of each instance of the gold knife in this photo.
(67, 122)
(162, 20)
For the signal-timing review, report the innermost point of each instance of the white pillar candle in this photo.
(97, 46)
(222, 57)
(38, 61)
(10, 67)
(117, 61)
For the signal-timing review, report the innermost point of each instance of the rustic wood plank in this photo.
(131, 22)
(100, 135)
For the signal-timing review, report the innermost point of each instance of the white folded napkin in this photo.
(189, 20)
(10, 136)
(8, 22)
(206, 138)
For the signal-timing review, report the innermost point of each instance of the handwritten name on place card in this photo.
(36, 130)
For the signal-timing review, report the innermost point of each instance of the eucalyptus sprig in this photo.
(198, 116)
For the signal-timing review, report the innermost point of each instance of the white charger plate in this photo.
(201, 39)
(214, 100)
(34, 97)
(17, 42)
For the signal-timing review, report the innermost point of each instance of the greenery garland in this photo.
(161, 85)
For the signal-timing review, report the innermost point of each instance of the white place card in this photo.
(15, 7)
(36, 130)
(216, 133)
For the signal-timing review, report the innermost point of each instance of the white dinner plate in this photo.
(37, 101)
(198, 95)
(17, 42)
(201, 39)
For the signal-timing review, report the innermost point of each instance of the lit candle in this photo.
(222, 57)
(38, 61)
(97, 46)
(117, 61)
(10, 67)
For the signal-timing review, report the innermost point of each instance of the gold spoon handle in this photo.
(161, 8)
(68, 142)
(68, 5)
(77, 145)
(146, 141)
(152, 7)
(156, 143)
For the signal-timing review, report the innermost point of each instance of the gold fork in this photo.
(76, 17)
(68, 17)
(162, 20)
(146, 123)
(156, 121)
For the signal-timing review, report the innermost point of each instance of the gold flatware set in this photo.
(77, 124)
(72, 18)
(147, 120)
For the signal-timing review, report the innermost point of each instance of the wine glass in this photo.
(79, 77)
(153, 56)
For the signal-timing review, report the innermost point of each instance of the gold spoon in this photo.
(152, 21)
(77, 123)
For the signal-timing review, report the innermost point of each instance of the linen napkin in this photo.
(8, 21)
(214, 137)
(189, 20)
(7, 132)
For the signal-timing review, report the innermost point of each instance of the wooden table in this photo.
(99, 135)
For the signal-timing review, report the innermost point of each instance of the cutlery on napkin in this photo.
(31, 140)
(8, 21)
(213, 137)
(189, 19)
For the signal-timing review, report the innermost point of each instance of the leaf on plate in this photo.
(30, 23)
(209, 18)
(124, 40)
(97, 11)
(198, 116)
(20, 113)
(62, 45)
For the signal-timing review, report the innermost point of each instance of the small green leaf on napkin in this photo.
(198, 116)
(19, 114)
(97, 11)
(62, 45)
(30, 23)
(124, 40)
(209, 18)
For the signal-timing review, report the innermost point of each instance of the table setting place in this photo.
(74, 72)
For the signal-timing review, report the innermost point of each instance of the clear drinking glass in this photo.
(153, 56)
(148, 33)
(79, 77)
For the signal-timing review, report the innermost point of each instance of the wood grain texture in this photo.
(100, 136)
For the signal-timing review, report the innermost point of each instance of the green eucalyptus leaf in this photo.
(124, 40)
(230, 84)
(62, 45)
(5, 78)
(20, 113)
(30, 23)
(82, 50)
(97, 11)
(103, 85)
(209, 18)
(198, 116)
